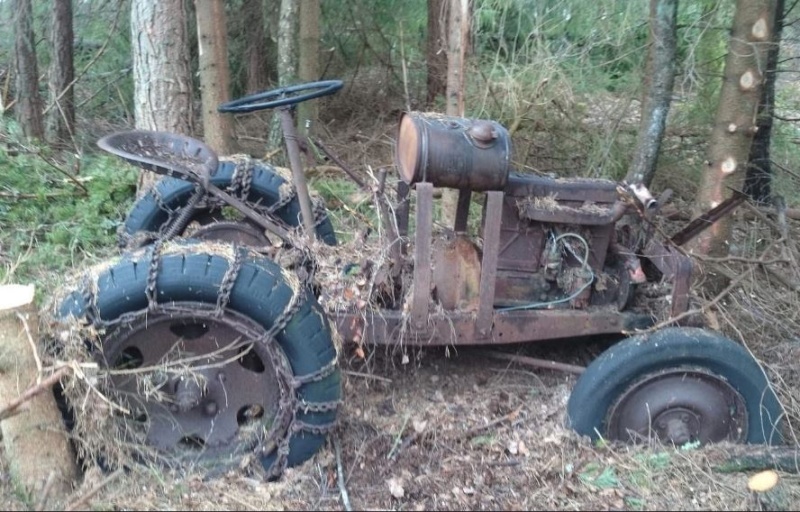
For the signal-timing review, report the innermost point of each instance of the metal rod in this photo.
(298, 176)
(337, 161)
(248, 212)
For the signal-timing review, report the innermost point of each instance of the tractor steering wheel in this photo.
(280, 97)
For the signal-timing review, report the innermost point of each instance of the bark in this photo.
(457, 41)
(436, 51)
(62, 72)
(212, 41)
(661, 78)
(759, 170)
(734, 124)
(256, 52)
(28, 108)
(162, 81)
(35, 442)
(308, 63)
(287, 65)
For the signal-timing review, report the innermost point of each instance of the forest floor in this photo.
(455, 432)
(450, 429)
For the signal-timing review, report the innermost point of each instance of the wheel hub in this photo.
(679, 406)
(198, 386)
(240, 232)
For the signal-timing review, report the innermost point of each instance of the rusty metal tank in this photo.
(453, 152)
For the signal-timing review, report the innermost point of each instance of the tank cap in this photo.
(483, 133)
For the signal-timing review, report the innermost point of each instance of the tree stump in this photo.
(37, 448)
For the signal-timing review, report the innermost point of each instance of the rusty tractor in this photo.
(239, 354)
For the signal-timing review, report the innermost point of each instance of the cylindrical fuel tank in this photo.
(454, 152)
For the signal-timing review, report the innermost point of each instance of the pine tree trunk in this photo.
(759, 170)
(162, 81)
(28, 107)
(256, 54)
(308, 64)
(62, 72)
(287, 65)
(212, 41)
(734, 125)
(660, 78)
(457, 40)
(436, 51)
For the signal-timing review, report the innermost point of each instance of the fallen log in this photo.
(34, 439)
(747, 458)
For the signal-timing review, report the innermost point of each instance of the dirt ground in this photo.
(453, 430)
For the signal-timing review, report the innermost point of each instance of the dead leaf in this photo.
(396, 487)
(419, 426)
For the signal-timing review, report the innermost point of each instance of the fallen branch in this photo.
(10, 409)
(480, 428)
(41, 501)
(534, 362)
(80, 503)
(340, 475)
(756, 458)
(367, 376)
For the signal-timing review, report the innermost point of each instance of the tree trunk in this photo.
(759, 171)
(436, 51)
(161, 77)
(212, 41)
(660, 77)
(734, 125)
(62, 73)
(28, 108)
(287, 65)
(308, 64)
(34, 439)
(457, 40)
(256, 54)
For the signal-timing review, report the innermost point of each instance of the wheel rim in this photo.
(239, 232)
(679, 406)
(198, 387)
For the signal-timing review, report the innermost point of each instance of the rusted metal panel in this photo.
(580, 190)
(675, 267)
(422, 255)
(456, 273)
(521, 241)
(705, 221)
(386, 327)
(491, 249)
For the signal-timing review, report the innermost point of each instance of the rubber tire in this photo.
(619, 367)
(147, 215)
(259, 292)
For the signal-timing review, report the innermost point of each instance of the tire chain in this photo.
(287, 424)
(228, 280)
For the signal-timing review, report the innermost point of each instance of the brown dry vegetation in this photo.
(451, 430)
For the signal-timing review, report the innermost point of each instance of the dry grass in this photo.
(414, 436)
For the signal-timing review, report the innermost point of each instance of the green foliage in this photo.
(48, 222)
(599, 476)
(351, 209)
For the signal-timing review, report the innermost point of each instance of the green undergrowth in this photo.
(52, 219)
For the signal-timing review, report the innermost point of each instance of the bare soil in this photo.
(451, 430)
